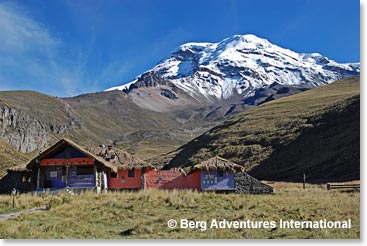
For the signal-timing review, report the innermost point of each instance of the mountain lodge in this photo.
(68, 165)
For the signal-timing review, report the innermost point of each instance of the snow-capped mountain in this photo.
(239, 66)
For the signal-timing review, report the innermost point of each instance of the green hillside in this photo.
(315, 132)
(10, 157)
(40, 106)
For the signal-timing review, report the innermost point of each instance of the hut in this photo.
(130, 169)
(214, 174)
(67, 164)
(217, 174)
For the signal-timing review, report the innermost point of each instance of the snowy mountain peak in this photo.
(242, 64)
(193, 46)
(246, 40)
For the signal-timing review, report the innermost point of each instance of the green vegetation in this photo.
(315, 132)
(146, 149)
(10, 157)
(144, 214)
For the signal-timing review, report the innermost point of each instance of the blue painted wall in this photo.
(73, 154)
(82, 181)
(56, 181)
(211, 181)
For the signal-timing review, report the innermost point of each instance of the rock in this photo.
(168, 93)
(148, 79)
(23, 132)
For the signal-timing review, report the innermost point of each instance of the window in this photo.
(53, 174)
(84, 170)
(220, 173)
(63, 172)
(131, 173)
(113, 175)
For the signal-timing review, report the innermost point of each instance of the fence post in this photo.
(13, 193)
(327, 186)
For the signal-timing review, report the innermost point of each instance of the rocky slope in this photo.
(29, 119)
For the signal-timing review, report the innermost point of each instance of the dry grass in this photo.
(291, 185)
(144, 214)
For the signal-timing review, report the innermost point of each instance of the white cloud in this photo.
(32, 57)
(29, 53)
(21, 34)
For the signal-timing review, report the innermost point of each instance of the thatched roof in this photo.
(218, 163)
(122, 159)
(214, 163)
(56, 148)
(18, 168)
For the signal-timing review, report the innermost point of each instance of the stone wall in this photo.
(245, 184)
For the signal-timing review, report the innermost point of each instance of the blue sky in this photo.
(69, 47)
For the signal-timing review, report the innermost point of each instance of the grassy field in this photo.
(144, 214)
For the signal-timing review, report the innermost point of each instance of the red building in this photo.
(213, 174)
(171, 179)
(130, 170)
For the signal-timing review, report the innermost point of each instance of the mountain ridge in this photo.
(240, 65)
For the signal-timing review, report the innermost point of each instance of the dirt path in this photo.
(27, 211)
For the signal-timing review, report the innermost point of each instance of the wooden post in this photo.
(103, 181)
(95, 172)
(38, 177)
(14, 192)
(328, 187)
(67, 176)
(68, 156)
(142, 179)
(304, 181)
